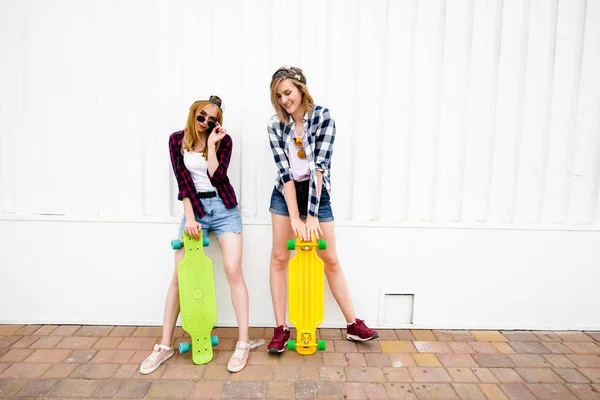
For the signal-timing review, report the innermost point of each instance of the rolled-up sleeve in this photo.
(325, 136)
(275, 131)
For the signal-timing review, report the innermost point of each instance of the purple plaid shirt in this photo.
(219, 180)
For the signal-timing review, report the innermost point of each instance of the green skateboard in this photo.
(197, 298)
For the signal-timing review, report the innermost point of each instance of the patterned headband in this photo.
(290, 72)
(216, 100)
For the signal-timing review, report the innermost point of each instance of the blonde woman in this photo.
(200, 157)
(301, 136)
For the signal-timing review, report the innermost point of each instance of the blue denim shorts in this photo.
(279, 206)
(218, 218)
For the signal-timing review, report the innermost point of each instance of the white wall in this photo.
(466, 167)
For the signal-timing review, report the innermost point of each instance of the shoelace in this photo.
(154, 355)
(239, 353)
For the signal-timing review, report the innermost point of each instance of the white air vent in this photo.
(396, 309)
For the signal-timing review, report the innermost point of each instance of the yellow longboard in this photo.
(306, 292)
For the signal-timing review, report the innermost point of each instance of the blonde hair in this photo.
(190, 137)
(307, 100)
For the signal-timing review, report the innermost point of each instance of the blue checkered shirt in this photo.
(320, 128)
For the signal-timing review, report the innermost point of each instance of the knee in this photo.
(332, 264)
(279, 259)
(234, 274)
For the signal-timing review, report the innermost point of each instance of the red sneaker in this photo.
(280, 338)
(359, 332)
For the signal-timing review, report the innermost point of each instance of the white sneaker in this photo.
(239, 358)
(160, 354)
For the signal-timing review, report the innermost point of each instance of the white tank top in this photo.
(198, 167)
(298, 166)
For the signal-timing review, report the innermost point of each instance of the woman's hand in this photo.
(299, 228)
(192, 228)
(217, 134)
(312, 226)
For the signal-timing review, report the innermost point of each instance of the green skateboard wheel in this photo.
(184, 347)
(291, 244)
(291, 345)
(322, 245)
(321, 345)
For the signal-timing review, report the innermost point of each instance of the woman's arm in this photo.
(218, 161)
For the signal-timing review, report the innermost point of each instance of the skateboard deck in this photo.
(197, 298)
(306, 291)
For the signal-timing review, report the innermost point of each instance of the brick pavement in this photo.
(102, 362)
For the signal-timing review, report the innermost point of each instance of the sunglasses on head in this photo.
(301, 153)
(211, 121)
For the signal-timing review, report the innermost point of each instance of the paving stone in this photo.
(593, 374)
(457, 360)
(434, 391)
(10, 387)
(520, 336)
(25, 371)
(333, 374)
(529, 360)
(65, 330)
(488, 336)
(492, 391)
(253, 373)
(247, 390)
(492, 360)
(426, 360)
(429, 374)
(423, 334)
(585, 360)
(468, 391)
(397, 346)
(551, 392)
(60, 371)
(583, 391)
(74, 388)
(399, 391)
(37, 388)
(431, 347)
(364, 374)
(507, 375)
(95, 330)
(538, 375)
(356, 390)
(517, 391)
(133, 390)
(464, 375)
(209, 390)
(108, 389)
(170, 390)
(9, 330)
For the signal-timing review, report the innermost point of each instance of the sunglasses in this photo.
(301, 153)
(211, 121)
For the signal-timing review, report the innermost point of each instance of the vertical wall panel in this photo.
(509, 109)
(481, 105)
(536, 111)
(586, 163)
(454, 92)
(567, 71)
(399, 106)
(448, 111)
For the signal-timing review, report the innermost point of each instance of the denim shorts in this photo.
(218, 218)
(279, 206)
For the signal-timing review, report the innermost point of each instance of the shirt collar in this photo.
(304, 119)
